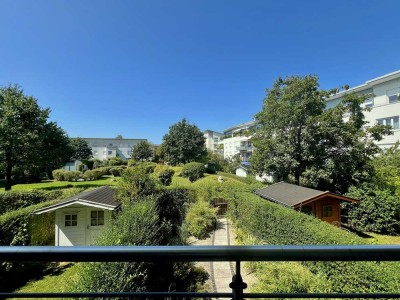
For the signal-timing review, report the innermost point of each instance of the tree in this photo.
(81, 149)
(27, 140)
(142, 151)
(119, 137)
(183, 143)
(297, 139)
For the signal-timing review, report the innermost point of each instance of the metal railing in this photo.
(237, 254)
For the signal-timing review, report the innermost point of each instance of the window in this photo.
(392, 121)
(369, 102)
(71, 220)
(95, 152)
(307, 210)
(327, 211)
(394, 95)
(96, 218)
(110, 144)
(109, 152)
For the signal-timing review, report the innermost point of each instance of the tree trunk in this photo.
(8, 171)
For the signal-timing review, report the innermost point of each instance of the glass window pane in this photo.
(93, 214)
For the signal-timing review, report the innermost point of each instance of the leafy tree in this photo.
(28, 142)
(142, 151)
(297, 139)
(81, 149)
(119, 137)
(183, 143)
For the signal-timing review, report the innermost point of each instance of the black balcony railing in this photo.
(201, 253)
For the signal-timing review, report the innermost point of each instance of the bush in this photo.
(201, 219)
(138, 224)
(278, 225)
(58, 174)
(378, 211)
(148, 166)
(134, 182)
(165, 176)
(193, 171)
(116, 172)
(72, 175)
(96, 174)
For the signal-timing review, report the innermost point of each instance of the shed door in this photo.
(95, 225)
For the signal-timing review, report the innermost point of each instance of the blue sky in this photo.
(136, 67)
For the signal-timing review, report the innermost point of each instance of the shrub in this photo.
(138, 224)
(165, 176)
(201, 219)
(96, 174)
(131, 162)
(72, 175)
(193, 171)
(115, 161)
(135, 181)
(148, 166)
(88, 175)
(116, 171)
(58, 174)
(378, 211)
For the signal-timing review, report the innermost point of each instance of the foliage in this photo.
(135, 181)
(28, 142)
(232, 163)
(378, 211)
(58, 174)
(183, 143)
(114, 161)
(138, 224)
(72, 176)
(116, 171)
(81, 149)
(142, 151)
(193, 171)
(165, 176)
(13, 200)
(148, 166)
(297, 139)
(215, 162)
(277, 225)
(201, 219)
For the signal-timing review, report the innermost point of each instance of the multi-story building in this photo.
(384, 103)
(212, 140)
(105, 148)
(237, 140)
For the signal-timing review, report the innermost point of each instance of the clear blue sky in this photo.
(136, 67)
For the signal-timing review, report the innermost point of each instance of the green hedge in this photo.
(273, 224)
(193, 171)
(13, 200)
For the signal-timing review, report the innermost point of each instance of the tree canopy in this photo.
(28, 142)
(183, 143)
(298, 139)
(142, 151)
(81, 149)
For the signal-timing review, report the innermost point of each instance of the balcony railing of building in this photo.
(237, 254)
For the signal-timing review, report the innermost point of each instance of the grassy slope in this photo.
(52, 184)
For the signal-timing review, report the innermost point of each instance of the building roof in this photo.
(102, 197)
(292, 195)
(242, 125)
(368, 84)
(116, 139)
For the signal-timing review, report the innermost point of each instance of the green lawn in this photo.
(384, 239)
(52, 184)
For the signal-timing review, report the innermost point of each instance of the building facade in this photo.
(212, 140)
(384, 104)
(105, 148)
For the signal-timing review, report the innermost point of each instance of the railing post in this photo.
(237, 285)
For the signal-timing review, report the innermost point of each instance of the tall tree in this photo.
(81, 149)
(298, 139)
(27, 139)
(183, 143)
(142, 151)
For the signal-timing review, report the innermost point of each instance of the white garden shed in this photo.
(79, 220)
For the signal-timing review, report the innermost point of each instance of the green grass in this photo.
(52, 184)
(384, 239)
(60, 280)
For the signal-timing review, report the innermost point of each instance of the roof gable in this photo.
(292, 195)
(102, 197)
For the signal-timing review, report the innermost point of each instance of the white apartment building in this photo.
(237, 140)
(105, 148)
(384, 104)
(212, 140)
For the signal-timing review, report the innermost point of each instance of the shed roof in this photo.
(102, 197)
(292, 195)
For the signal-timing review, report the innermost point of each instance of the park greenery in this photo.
(142, 151)
(183, 143)
(81, 149)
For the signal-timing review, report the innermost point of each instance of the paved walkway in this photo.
(220, 272)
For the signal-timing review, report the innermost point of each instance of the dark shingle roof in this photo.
(103, 196)
(288, 194)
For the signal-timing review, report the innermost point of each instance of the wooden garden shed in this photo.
(79, 220)
(322, 205)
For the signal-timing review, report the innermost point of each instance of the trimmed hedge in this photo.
(273, 224)
(193, 171)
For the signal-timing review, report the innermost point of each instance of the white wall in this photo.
(241, 172)
(106, 148)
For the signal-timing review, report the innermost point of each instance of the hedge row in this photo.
(13, 200)
(273, 224)
(62, 175)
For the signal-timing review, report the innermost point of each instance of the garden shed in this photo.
(79, 220)
(322, 205)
